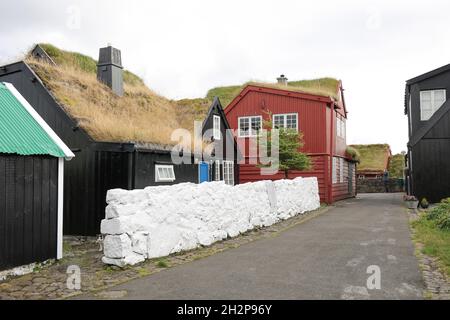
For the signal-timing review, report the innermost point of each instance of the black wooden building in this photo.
(428, 110)
(31, 189)
(100, 166)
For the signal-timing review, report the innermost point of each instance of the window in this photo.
(335, 175)
(341, 170)
(164, 173)
(285, 121)
(430, 102)
(216, 127)
(249, 126)
(217, 170)
(228, 172)
(340, 127)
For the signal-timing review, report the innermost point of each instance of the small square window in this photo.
(164, 173)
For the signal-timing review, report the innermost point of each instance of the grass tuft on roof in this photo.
(327, 87)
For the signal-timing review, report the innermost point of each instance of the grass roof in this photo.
(373, 157)
(140, 115)
(327, 87)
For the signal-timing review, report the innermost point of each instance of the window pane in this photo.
(244, 127)
(291, 121)
(425, 95)
(256, 125)
(278, 121)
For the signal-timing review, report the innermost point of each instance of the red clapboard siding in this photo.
(316, 120)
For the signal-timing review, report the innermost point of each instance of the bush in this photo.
(441, 214)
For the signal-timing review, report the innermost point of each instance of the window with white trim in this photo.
(341, 170)
(288, 120)
(217, 170)
(249, 126)
(164, 173)
(340, 127)
(335, 174)
(430, 102)
(228, 172)
(216, 127)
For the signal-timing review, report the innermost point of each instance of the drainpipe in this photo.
(332, 140)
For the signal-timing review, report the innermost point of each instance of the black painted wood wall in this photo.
(28, 209)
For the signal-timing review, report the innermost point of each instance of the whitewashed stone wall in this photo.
(158, 221)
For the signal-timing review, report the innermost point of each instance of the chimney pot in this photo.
(282, 80)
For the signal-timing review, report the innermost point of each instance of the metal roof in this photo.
(23, 131)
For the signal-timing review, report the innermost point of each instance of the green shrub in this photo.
(441, 214)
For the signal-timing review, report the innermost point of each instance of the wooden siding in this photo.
(431, 171)
(28, 209)
(311, 115)
(343, 190)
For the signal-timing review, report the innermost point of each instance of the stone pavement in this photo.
(329, 257)
(50, 282)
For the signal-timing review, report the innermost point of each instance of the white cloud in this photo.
(183, 48)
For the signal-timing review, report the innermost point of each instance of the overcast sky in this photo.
(183, 48)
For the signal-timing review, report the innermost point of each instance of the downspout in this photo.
(332, 140)
(59, 246)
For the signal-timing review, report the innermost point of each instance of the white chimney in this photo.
(282, 80)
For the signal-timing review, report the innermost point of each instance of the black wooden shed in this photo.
(31, 183)
(428, 109)
(124, 162)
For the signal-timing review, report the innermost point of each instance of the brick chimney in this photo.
(110, 70)
(282, 80)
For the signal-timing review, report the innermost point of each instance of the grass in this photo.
(396, 166)
(356, 156)
(436, 242)
(140, 115)
(323, 86)
(162, 263)
(373, 157)
(432, 229)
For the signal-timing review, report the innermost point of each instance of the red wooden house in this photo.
(317, 109)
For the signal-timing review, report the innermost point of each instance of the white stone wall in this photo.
(157, 221)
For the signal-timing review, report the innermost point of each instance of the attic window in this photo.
(430, 102)
(164, 173)
(216, 127)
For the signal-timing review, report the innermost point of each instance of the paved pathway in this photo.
(324, 258)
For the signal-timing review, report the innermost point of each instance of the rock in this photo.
(117, 246)
(131, 259)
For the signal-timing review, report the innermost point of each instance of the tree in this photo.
(290, 143)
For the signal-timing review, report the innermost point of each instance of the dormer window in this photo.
(430, 102)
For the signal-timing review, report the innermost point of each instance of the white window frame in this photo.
(170, 171)
(216, 127)
(341, 170)
(217, 170)
(284, 115)
(334, 170)
(250, 129)
(340, 127)
(434, 108)
(228, 172)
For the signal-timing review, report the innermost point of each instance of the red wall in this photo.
(316, 120)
